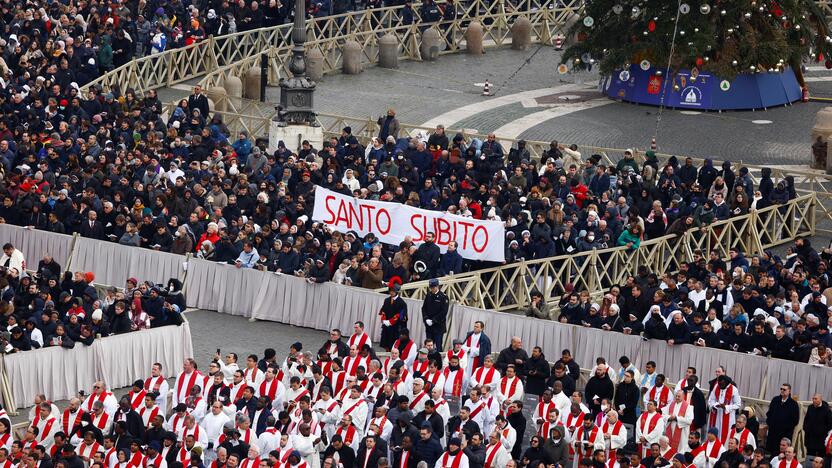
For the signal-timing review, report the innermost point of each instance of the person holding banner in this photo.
(393, 316)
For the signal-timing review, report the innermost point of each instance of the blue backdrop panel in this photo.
(703, 91)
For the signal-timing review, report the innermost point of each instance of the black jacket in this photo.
(435, 308)
(816, 425)
(435, 421)
(600, 387)
(509, 356)
(627, 394)
(782, 417)
(537, 372)
(469, 428)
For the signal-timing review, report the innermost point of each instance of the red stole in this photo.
(74, 416)
(542, 410)
(405, 458)
(491, 454)
(647, 424)
(457, 387)
(153, 413)
(421, 367)
(487, 378)
(151, 384)
(269, 389)
(669, 453)
(477, 410)
(458, 355)
(579, 437)
(358, 341)
(88, 451)
(136, 460)
(249, 463)
(100, 397)
(188, 387)
(353, 407)
(237, 392)
(743, 436)
(137, 398)
(454, 463)
(573, 421)
(47, 428)
(418, 398)
(726, 417)
(605, 428)
(787, 464)
(662, 398)
(477, 360)
(675, 433)
(512, 389)
(404, 353)
(349, 436)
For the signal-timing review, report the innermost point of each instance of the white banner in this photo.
(392, 222)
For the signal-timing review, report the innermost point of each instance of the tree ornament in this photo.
(682, 33)
(747, 15)
(617, 9)
(699, 61)
(752, 68)
(704, 8)
(820, 57)
(675, 87)
(723, 12)
(684, 8)
(696, 30)
(762, 8)
(658, 73)
(707, 59)
(562, 69)
(797, 27)
(635, 12)
(646, 33)
(645, 65)
(589, 21)
(734, 63)
(730, 30)
(651, 26)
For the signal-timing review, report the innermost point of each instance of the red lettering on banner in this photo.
(466, 225)
(390, 222)
(420, 234)
(355, 216)
(482, 247)
(386, 214)
(328, 199)
(443, 232)
(342, 215)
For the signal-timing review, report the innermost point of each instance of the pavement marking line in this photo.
(451, 117)
(516, 128)
(816, 79)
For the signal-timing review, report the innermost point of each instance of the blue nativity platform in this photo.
(706, 92)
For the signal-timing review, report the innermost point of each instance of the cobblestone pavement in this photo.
(421, 91)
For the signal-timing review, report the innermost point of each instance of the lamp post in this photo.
(296, 93)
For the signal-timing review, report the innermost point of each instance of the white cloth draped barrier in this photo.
(113, 263)
(292, 300)
(35, 244)
(117, 360)
(289, 299)
(756, 376)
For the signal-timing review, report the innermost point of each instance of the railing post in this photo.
(593, 280)
(169, 64)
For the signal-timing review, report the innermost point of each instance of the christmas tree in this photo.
(724, 37)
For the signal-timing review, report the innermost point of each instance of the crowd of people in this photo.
(47, 43)
(763, 305)
(47, 306)
(345, 404)
(106, 166)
